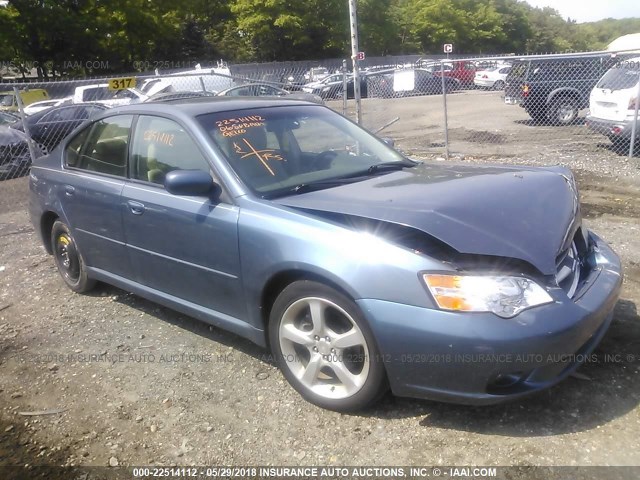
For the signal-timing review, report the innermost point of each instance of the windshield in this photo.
(5, 118)
(277, 149)
(518, 71)
(621, 77)
(6, 100)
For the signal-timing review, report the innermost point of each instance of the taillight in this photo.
(525, 90)
(632, 103)
(485, 76)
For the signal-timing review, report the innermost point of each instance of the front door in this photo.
(180, 245)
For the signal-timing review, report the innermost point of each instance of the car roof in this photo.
(252, 84)
(38, 115)
(202, 105)
(565, 58)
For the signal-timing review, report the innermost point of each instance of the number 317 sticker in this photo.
(122, 83)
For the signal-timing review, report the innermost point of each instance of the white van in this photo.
(613, 100)
(210, 80)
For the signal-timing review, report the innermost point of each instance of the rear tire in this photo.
(324, 347)
(564, 111)
(68, 259)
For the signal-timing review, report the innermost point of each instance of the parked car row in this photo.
(50, 121)
(407, 82)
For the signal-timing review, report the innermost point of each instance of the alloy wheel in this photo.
(324, 348)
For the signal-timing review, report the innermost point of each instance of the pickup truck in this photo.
(9, 102)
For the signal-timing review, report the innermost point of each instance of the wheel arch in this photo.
(564, 93)
(280, 280)
(46, 225)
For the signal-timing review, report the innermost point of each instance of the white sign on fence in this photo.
(448, 47)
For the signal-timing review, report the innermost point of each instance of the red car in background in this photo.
(463, 71)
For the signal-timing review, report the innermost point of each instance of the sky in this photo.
(591, 10)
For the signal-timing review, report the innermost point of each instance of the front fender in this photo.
(275, 239)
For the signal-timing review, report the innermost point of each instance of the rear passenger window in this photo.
(103, 147)
(160, 146)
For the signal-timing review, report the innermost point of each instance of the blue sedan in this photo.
(360, 269)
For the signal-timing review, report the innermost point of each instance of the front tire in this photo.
(68, 259)
(324, 347)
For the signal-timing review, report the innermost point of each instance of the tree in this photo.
(470, 25)
(550, 33)
(515, 26)
(292, 30)
(378, 30)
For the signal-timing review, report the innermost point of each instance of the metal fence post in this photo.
(354, 56)
(344, 87)
(634, 127)
(446, 115)
(23, 118)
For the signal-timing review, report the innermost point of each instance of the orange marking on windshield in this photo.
(262, 155)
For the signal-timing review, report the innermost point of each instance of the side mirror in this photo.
(189, 183)
(389, 141)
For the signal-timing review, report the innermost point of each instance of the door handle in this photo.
(136, 208)
(69, 190)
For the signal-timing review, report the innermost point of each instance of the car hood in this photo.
(523, 213)
(11, 136)
(314, 85)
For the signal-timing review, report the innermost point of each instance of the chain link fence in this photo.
(491, 106)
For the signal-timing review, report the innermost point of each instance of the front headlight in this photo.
(505, 296)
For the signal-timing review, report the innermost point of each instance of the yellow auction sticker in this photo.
(122, 83)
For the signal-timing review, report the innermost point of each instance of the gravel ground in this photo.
(140, 384)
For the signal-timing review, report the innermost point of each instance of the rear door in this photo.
(180, 245)
(95, 172)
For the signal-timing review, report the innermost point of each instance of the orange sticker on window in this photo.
(153, 136)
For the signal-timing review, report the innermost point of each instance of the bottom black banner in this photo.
(320, 472)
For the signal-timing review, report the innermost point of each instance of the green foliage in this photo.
(599, 34)
(289, 29)
(99, 36)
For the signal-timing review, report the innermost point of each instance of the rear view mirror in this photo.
(389, 141)
(189, 183)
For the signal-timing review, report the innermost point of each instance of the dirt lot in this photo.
(168, 390)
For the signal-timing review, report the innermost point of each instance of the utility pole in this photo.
(353, 14)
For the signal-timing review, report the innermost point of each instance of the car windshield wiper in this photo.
(320, 184)
(335, 182)
(397, 165)
(310, 187)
